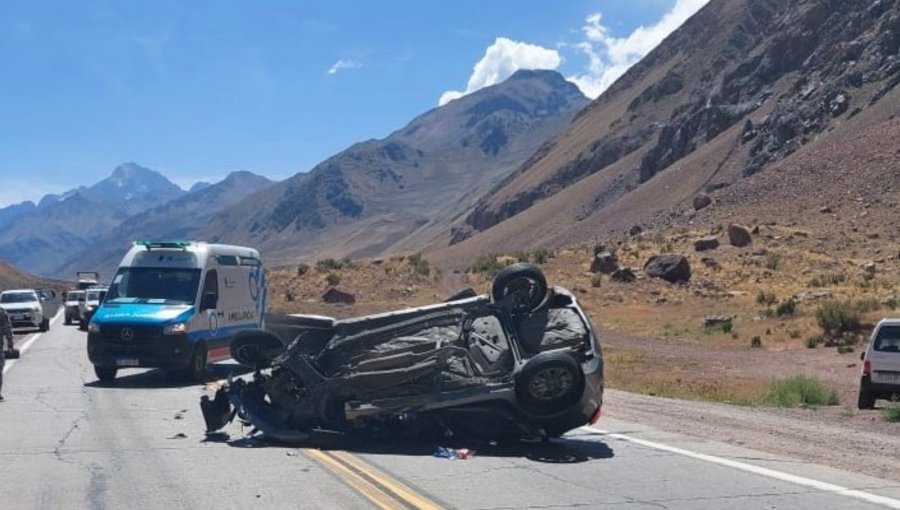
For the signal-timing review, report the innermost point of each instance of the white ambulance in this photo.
(176, 305)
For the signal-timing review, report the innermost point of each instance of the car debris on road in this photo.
(522, 363)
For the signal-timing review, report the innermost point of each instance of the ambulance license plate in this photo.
(127, 362)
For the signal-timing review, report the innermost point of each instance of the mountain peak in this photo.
(546, 75)
(130, 180)
(129, 170)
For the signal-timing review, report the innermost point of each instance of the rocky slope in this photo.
(178, 219)
(739, 88)
(410, 189)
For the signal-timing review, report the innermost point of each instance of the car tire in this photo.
(255, 348)
(45, 325)
(549, 384)
(866, 396)
(197, 369)
(68, 320)
(522, 284)
(106, 374)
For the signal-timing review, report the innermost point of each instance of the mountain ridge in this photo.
(740, 87)
(405, 191)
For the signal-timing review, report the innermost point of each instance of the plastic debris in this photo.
(453, 453)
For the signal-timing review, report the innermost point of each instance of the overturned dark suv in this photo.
(523, 363)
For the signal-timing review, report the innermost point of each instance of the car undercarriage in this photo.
(523, 363)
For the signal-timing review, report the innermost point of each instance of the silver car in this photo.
(24, 308)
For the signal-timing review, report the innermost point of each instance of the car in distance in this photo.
(521, 364)
(24, 308)
(880, 376)
(72, 307)
(93, 297)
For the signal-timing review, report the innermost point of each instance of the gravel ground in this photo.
(862, 443)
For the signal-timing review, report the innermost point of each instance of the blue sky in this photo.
(198, 89)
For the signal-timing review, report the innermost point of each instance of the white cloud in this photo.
(344, 64)
(500, 61)
(609, 57)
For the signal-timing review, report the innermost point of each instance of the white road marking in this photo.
(758, 470)
(28, 341)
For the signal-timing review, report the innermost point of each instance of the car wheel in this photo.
(45, 325)
(197, 369)
(549, 384)
(521, 285)
(68, 320)
(255, 348)
(106, 374)
(866, 397)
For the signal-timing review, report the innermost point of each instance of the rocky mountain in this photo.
(410, 189)
(13, 211)
(178, 219)
(61, 225)
(199, 186)
(742, 87)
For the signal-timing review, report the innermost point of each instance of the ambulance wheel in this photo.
(106, 374)
(197, 369)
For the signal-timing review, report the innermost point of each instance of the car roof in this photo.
(19, 291)
(889, 322)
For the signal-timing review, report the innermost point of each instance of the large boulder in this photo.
(671, 267)
(604, 262)
(337, 296)
(702, 201)
(739, 235)
(706, 243)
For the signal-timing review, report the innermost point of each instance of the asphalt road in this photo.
(68, 442)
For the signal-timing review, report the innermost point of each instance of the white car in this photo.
(73, 307)
(24, 309)
(881, 364)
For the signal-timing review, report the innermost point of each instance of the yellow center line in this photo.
(393, 485)
(378, 497)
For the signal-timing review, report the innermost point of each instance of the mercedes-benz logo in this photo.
(127, 334)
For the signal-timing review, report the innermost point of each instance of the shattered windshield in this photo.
(154, 285)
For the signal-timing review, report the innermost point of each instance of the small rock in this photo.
(635, 230)
(706, 243)
(739, 235)
(623, 275)
(702, 201)
(335, 295)
(825, 210)
(869, 268)
(605, 263)
(755, 230)
(710, 263)
(717, 321)
(180, 435)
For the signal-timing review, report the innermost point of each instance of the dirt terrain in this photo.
(825, 436)
(655, 340)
